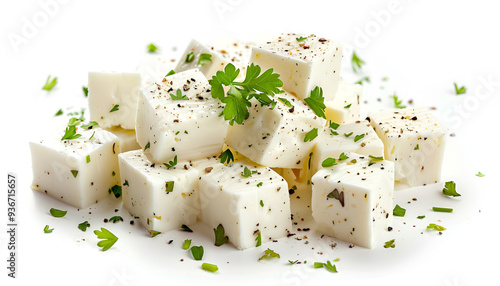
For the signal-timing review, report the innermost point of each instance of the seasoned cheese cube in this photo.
(154, 67)
(353, 200)
(126, 137)
(275, 137)
(414, 140)
(361, 139)
(190, 129)
(196, 56)
(234, 51)
(78, 172)
(113, 98)
(245, 206)
(299, 190)
(345, 107)
(302, 63)
(163, 198)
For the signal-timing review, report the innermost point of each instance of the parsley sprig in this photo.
(237, 99)
(108, 239)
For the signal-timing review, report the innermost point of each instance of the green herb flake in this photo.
(343, 156)
(187, 244)
(318, 264)
(147, 146)
(269, 253)
(85, 91)
(154, 233)
(316, 102)
(220, 238)
(74, 173)
(226, 157)
(47, 230)
(88, 159)
(108, 239)
(57, 213)
(70, 132)
(172, 163)
(115, 108)
(179, 95)
(258, 239)
(209, 267)
(300, 39)
(59, 112)
(204, 59)
(50, 83)
(259, 184)
(328, 162)
(246, 172)
(126, 183)
(450, 189)
(421, 216)
(348, 134)
(190, 57)
(359, 137)
(293, 262)
(285, 101)
(83, 226)
(152, 48)
(397, 102)
(169, 186)
(398, 211)
(389, 244)
(348, 106)
(171, 72)
(479, 174)
(356, 62)
(116, 190)
(116, 219)
(459, 90)
(197, 252)
(364, 79)
(434, 226)
(333, 125)
(331, 267)
(261, 203)
(374, 159)
(186, 228)
(311, 135)
(90, 125)
(442, 210)
(416, 147)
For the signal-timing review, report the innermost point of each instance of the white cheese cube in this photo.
(195, 52)
(353, 200)
(299, 190)
(302, 64)
(345, 107)
(190, 129)
(361, 139)
(127, 138)
(154, 67)
(245, 206)
(78, 172)
(414, 140)
(275, 137)
(236, 52)
(162, 198)
(113, 98)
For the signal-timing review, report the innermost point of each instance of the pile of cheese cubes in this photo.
(170, 172)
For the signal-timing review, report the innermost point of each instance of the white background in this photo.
(421, 46)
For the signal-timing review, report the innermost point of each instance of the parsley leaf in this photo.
(330, 267)
(83, 226)
(171, 163)
(116, 219)
(258, 239)
(169, 186)
(450, 189)
(115, 108)
(348, 106)
(204, 59)
(186, 228)
(316, 102)
(356, 62)
(187, 244)
(268, 253)
(434, 226)
(311, 135)
(147, 146)
(226, 157)
(74, 173)
(398, 211)
(85, 91)
(59, 112)
(154, 233)
(246, 172)
(57, 213)
(116, 190)
(358, 137)
(89, 125)
(237, 99)
(47, 230)
(300, 39)
(197, 252)
(152, 48)
(171, 72)
(343, 156)
(70, 132)
(49, 84)
(398, 102)
(108, 239)
(285, 101)
(348, 134)
(328, 162)
(179, 95)
(479, 174)
(220, 238)
(190, 57)
(459, 90)
(390, 244)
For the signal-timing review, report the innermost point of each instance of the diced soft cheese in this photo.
(302, 64)
(414, 140)
(275, 137)
(353, 200)
(192, 55)
(154, 67)
(333, 142)
(236, 52)
(113, 98)
(190, 129)
(78, 172)
(345, 107)
(163, 198)
(299, 189)
(127, 138)
(245, 206)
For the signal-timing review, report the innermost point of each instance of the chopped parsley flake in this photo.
(258, 239)
(398, 102)
(259, 184)
(434, 226)
(348, 106)
(59, 112)
(147, 146)
(152, 48)
(116, 190)
(269, 253)
(220, 238)
(450, 189)
(88, 159)
(316, 102)
(85, 91)
(358, 137)
(47, 230)
(171, 72)
(186, 228)
(459, 90)
(190, 57)
(74, 172)
(311, 135)
(300, 39)
(169, 186)
(226, 157)
(50, 83)
(209, 267)
(356, 62)
(390, 244)
(348, 134)
(57, 213)
(479, 174)
(83, 226)
(115, 108)
(246, 172)
(442, 210)
(399, 211)
(108, 239)
(204, 59)
(116, 219)
(187, 244)
(154, 233)
(197, 252)
(171, 164)
(179, 95)
(328, 162)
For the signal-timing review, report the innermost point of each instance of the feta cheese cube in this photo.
(362, 139)
(302, 63)
(414, 140)
(353, 200)
(126, 137)
(154, 67)
(243, 205)
(345, 107)
(190, 129)
(299, 190)
(275, 137)
(163, 198)
(200, 56)
(78, 172)
(113, 98)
